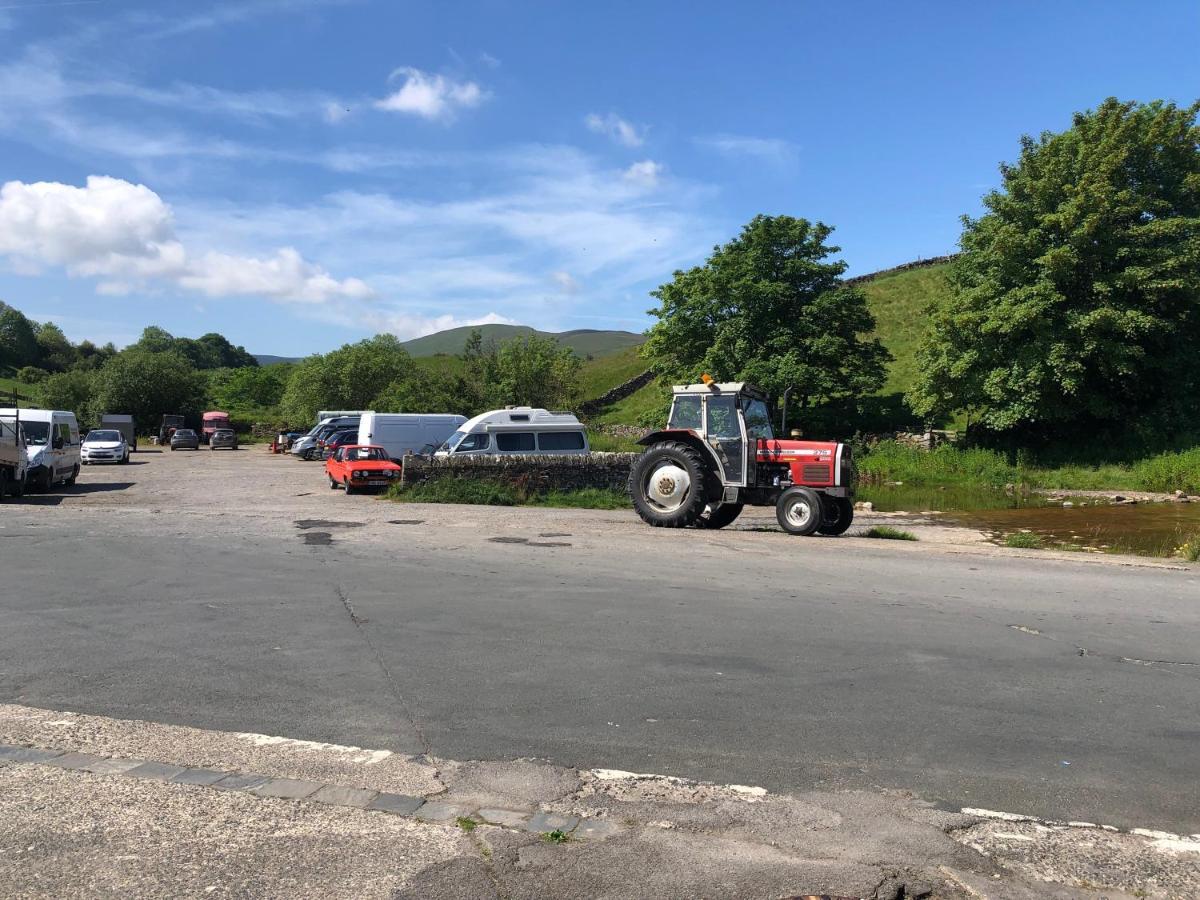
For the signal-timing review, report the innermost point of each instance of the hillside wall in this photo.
(620, 392)
(533, 473)
(916, 264)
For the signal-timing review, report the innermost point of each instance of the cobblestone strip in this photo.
(433, 811)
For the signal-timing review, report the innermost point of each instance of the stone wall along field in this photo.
(534, 473)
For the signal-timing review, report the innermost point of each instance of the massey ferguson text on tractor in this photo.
(719, 452)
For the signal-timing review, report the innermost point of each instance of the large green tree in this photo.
(1076, 301)
(771, 308)
(18, 339)
(524, 371)
(147, 385)
(350, 377)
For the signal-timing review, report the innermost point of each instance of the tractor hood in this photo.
(783, 450)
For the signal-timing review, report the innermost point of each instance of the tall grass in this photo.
(950, 465)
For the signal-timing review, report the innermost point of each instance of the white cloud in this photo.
(645, 173)
(772, 150)
(431, 96)
(124, 234)
(488, 60)
(618, 129)
(565, 281)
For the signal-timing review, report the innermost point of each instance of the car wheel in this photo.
(74, 475)
(332, 483)
(349, 487)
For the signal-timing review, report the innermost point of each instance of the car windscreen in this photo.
(102, 436)
(37, 434)
(366, 454)
(184, 433)
(451, 442)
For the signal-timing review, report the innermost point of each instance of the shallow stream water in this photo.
(1147, 529)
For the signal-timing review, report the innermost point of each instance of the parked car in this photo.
(338, 439)
(223, 439)
(518, 430)
(357, 466)
(305, 447)
(51, 445)
(185, 439)
(125, 425)
(104, 445)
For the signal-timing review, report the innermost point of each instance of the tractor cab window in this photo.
(723, 418)
(758, 421)
(686, 412)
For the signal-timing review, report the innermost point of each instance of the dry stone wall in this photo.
(534, 473)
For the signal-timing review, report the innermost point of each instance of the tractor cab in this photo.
(730, 419)
(719, 452)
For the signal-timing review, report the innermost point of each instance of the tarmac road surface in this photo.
(235, 591)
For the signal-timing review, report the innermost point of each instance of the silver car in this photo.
(223, 439)
(185, 439)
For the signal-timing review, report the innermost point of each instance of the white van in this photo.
(401, 433)
(324, 414)
(51, 445)
(518, 430)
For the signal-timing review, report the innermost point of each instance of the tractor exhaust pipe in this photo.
(787, 392)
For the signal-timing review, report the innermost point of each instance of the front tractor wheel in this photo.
(839, 513)
(799, 511)
(669, 485)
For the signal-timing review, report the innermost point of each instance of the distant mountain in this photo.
(584, 341)
(266, 359)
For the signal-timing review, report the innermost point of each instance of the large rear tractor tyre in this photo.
(718, 515)
(799, 511)
(839, 513)
(669, 485)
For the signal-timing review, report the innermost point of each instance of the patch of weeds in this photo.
(584, 498)
(1190, 550)
(888, 533)
(1072, 548)
(555, 837)
(1023, 540)
(466, 824)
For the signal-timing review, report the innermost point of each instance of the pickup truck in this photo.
(12, 454)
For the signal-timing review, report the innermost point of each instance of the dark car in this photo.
(185, 439)
(339, 439)
(223, 439)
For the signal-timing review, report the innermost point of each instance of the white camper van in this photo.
(51, 445)
(401, 433)
(518, 430)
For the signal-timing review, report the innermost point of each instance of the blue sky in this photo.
(297, 174)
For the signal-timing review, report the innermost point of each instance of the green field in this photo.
(7, 386)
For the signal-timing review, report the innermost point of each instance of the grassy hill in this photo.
(898, 299)
(7, 386)
(584, 341)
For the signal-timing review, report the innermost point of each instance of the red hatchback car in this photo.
(360, 466)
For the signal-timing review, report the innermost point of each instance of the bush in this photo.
(892, 461)
(1170, 472)
(1190, 549)
(1024, 540)
(888, 533)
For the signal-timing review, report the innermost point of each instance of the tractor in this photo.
(719, 452)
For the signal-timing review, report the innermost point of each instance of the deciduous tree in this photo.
(1076, 302)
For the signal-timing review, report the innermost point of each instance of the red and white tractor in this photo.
(719, 452)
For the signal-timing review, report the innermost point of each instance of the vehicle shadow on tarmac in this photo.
(61, 492)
